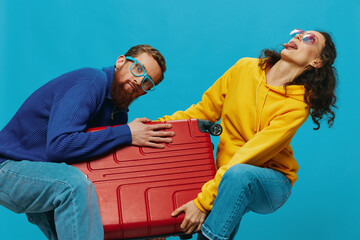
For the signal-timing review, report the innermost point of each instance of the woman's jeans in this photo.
(58, 198)
(244, 188)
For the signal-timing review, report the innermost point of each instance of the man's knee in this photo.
(76, 181)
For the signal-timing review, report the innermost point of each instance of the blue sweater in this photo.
(50, 125)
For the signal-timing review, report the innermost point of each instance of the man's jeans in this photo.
(58, 198)
(244, 188)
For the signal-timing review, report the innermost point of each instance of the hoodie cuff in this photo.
(199, 206)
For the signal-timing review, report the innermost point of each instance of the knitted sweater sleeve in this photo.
(66, 139)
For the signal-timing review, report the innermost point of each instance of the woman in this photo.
(261, 103)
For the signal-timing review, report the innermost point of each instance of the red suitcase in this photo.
(139, 187)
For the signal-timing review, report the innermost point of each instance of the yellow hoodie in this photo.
(258, 123)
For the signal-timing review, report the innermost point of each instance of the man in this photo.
(49, 128)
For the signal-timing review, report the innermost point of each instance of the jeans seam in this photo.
(74, 213)
(266, 194)
(213, 235)
(228, 221)
(231, 217)
(3, 164)
(206, 233)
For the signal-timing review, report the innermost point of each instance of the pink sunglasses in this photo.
(307, 37)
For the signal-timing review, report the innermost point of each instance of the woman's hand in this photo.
(194, 217)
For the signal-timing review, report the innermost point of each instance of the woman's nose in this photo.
(298, 36)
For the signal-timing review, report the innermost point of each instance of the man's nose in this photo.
(138, 80)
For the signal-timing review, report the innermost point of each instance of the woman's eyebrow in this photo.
(311, 33)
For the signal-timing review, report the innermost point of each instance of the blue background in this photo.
(42, 39)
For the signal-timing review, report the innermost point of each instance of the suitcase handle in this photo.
(207, 126)
(185, 236)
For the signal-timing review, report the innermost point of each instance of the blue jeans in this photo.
(58, 198)
(244, 188)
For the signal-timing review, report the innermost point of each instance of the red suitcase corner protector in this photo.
(139, 187)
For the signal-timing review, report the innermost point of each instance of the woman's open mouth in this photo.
(290, 45)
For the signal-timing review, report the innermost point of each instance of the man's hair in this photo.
(144, 48)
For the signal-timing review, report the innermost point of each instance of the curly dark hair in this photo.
(319, 83)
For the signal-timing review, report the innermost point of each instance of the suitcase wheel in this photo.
(215, 129)
(207, 126)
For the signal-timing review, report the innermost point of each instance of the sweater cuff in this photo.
(122, 134)
(199, 206)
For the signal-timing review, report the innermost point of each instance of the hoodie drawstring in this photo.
(257, 125)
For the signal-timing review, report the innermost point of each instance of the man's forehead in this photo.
(144, 56)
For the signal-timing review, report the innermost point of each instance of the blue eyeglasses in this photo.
(137, 69)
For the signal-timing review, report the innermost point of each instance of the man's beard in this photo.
(120, 97)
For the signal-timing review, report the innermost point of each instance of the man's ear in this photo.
(120, 61)
(317, 63)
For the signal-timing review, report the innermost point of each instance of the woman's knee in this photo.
(239, 174)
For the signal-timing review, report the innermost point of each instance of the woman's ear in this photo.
(317, 63)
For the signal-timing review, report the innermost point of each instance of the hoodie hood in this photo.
(296, 92)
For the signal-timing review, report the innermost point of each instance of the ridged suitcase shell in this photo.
(139, 187)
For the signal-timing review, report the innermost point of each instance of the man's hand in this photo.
(194, 217)
(149, 135)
